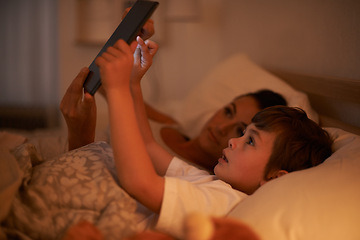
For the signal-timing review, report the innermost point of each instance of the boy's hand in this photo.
(115, 65)
(143, 58)
(79, 111)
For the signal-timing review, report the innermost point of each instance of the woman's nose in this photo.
(225, 128)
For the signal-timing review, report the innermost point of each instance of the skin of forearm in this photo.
(77, 140)
(141, 114)
(134, 167)
(160, 158)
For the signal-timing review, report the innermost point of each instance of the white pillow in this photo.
(317, 203)
(234, 76)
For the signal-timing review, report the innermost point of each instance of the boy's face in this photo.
(243, 162)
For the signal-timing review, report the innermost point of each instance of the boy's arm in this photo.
(134, 167)
(142, 61)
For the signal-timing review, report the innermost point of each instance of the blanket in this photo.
(59, 192)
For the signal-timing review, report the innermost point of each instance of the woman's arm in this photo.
(157, 116)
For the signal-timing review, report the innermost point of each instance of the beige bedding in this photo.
(58, 192)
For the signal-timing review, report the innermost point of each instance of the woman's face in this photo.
(229, 122)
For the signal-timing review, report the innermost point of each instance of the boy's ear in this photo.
(279, 173)
(273, 175)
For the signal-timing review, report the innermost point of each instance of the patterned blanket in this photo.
(61, 191)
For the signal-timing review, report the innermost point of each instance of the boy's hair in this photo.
(267, 98)
(300, 142)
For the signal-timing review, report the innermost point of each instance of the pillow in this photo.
(317, 203)
(234, 76)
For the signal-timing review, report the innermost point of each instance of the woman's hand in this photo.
(143, 58)
(79, 111)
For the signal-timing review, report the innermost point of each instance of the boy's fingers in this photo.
(109, 56)
(133, 46)
(152, 46)
(137, 55)
(99, 61)
(124, 47)
(120, 44)
(142, 46)
(140, 41)
(147, 47)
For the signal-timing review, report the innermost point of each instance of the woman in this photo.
(228, 122)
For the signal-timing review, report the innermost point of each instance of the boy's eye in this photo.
(250, 141)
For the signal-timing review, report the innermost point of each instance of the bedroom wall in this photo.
(312, 37)
(315, 37)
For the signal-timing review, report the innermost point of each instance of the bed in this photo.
(45, 189)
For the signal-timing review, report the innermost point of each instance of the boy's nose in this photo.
(234, 142)
(231, 143)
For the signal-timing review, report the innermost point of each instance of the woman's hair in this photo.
(267, 98)
(300, 142)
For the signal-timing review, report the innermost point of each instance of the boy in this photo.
(279, 140)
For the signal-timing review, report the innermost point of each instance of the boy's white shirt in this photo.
(189, 189)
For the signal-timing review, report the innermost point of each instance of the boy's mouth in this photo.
(224, 157)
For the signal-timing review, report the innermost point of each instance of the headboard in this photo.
(337, 101)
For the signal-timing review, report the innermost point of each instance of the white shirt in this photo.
(189, 189)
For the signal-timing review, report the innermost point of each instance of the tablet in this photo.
(128, 29)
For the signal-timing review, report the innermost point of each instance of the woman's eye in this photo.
(228, 112)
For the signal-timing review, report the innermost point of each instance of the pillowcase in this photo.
(234, 76)
(317, 203)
